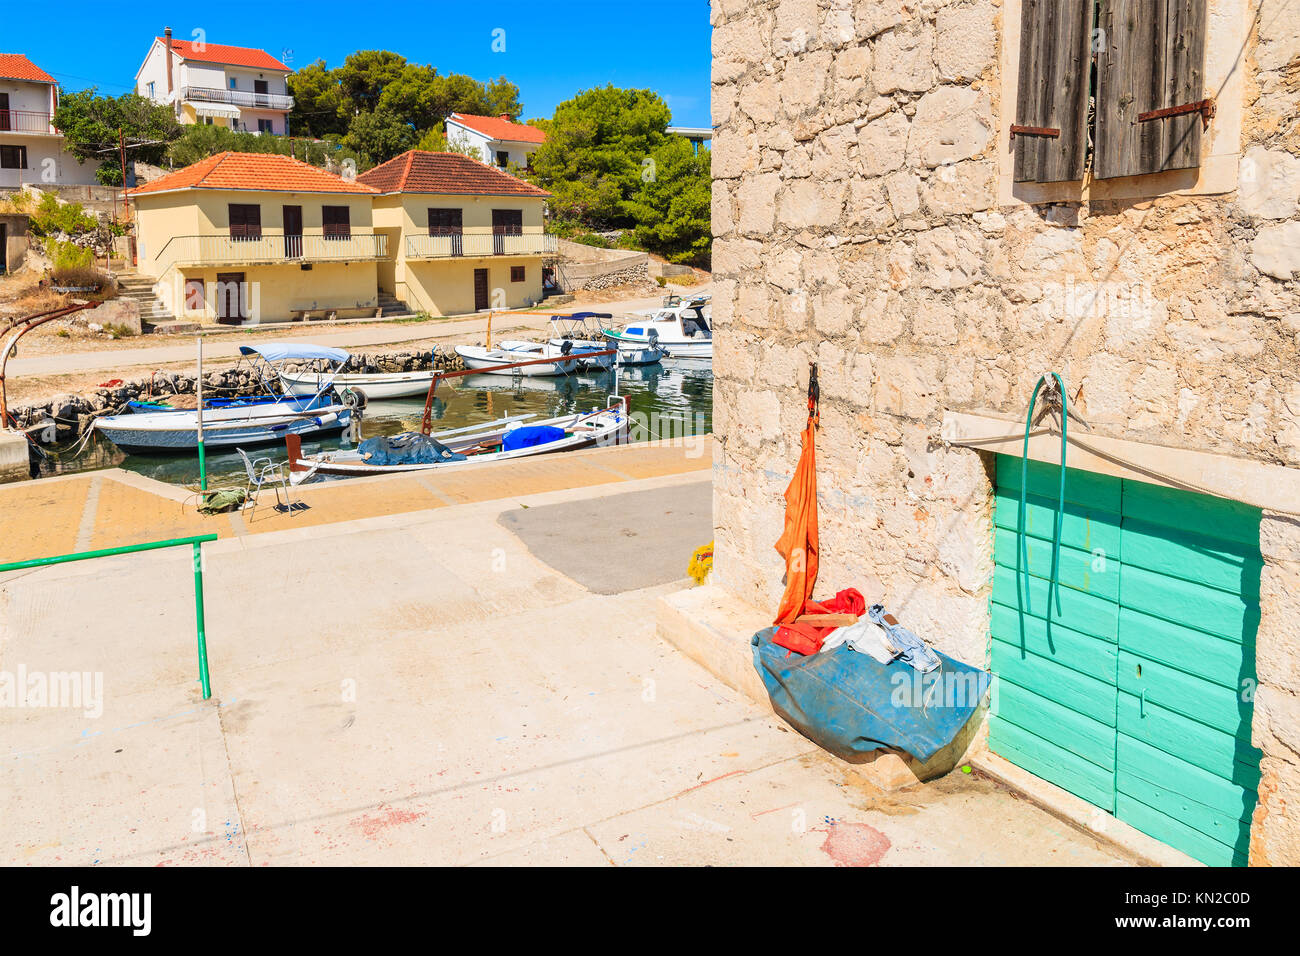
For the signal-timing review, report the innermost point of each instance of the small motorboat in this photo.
(369, 384)
(584, 332)
(682, 327)
(478, 357)
(505, 439)
(242, 422)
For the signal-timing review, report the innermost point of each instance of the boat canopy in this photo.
(289, 351)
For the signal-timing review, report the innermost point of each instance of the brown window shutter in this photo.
(1052, 92)
(1153, 63)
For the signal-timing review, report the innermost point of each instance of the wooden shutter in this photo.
(336, 222)
(245, 221)
(1154, 60)
(1052, 91)
(445, 222)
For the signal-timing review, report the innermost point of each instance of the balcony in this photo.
(261, 101)
(219, 250)
(474, 243)
(26, 121)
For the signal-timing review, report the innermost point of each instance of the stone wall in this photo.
(857, 224)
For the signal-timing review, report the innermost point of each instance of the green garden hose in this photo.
(1053, 584)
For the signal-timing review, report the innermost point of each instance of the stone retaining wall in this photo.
(68, 415)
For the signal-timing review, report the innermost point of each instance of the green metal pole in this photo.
(199, 622)
(198, 391)
(105, 552)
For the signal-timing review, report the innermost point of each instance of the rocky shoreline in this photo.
(68, 415)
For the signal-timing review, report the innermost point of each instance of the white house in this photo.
(240, 87)
(499, 140)
(31, 149)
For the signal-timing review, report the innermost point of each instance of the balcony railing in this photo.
(271, 249)
(26, 121)
(472, 243)
(210, 94)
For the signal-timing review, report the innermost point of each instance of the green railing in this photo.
(195, 542)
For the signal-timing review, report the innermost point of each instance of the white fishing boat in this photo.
(370, 384)
(682, 326)
(479, 357)
(320, 413)
(584, 333)
(505, 439)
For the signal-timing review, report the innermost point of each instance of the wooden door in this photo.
(293, 232)
(4, 111)
(505, 222)
(230, 297)
(481, 300)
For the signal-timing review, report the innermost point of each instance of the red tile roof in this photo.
(419, 171)
(227, 55)
(497, 127)
(254, 171)
(15, 66)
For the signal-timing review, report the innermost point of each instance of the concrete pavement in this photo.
(422, 687)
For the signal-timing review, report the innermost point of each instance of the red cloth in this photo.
(807, 638)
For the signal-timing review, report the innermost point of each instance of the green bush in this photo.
(592, 239)
(52, 217)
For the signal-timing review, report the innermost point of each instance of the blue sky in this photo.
(553, 48)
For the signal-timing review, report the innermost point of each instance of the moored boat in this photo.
(488, 360)
(244, 422)
(502, 440)
(682, 326)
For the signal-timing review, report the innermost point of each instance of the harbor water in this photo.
(673, 400)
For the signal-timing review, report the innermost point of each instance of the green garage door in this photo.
(1135, 693)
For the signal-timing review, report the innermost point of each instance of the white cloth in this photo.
(865, 637)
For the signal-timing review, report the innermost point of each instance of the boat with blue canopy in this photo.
(263, 419)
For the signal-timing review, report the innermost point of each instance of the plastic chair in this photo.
(263, 472)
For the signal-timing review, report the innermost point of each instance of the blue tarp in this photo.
(850, 704)
(526, 436)
(290, 351)
(408, 448)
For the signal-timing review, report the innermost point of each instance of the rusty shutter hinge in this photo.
(1204, 107)
(1034, 131)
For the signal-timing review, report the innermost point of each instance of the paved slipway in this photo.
(429, 685)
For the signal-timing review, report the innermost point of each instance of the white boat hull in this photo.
(676, 348)
(371, 385)
(478, 357)
(598, 428)
(222, 428)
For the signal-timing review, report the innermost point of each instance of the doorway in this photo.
(293, 232)
(481, 300)
(505, 222)
(230, 298)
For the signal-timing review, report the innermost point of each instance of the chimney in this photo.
(167, 42)
(506, 117)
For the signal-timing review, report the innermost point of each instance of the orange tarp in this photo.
(798, 542)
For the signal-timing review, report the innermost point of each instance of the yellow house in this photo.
(462, 235)
(242, 238)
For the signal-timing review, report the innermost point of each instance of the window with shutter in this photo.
(445, 222)
(336, 222)
(1050, 125)
(1137, 66)
(1151, 101)
(245, 221)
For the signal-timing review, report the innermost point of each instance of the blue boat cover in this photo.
(408, 448)
(292, 351)
(526, 436)
(850, 704)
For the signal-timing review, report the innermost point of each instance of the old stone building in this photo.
(872, 214)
